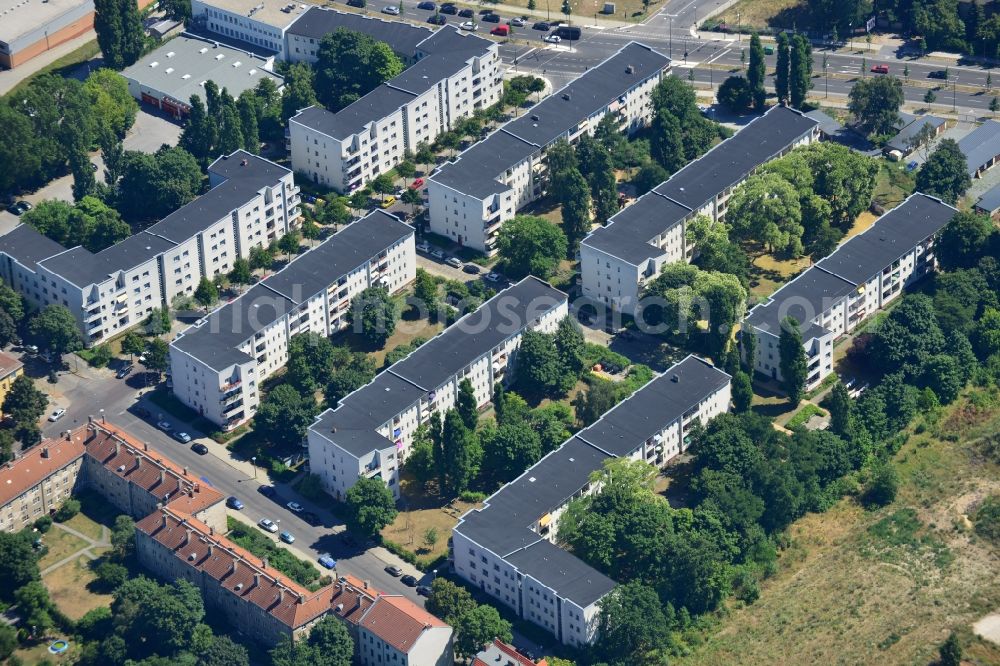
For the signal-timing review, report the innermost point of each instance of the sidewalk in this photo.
(10, 78)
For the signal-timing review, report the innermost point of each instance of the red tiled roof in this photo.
(130, 459)
(398, 621)
(237, 570)
(40, 462)
(499, 653)
(352, 599)
(8, 364)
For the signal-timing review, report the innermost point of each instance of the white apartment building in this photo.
(455, 74)
(471, 197)
(370, 431)
(618, 259)
(261, 26)
(394, 630)
(861, 277)
(218, 363)
(252, 201)
(508, 547)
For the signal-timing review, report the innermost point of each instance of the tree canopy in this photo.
(530, 245)
(875, 102)
(945, 173)
(370, 506)
(351, 64)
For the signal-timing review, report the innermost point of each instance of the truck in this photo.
(570, 32)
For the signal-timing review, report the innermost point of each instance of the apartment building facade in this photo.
(454, 75)
(252, 201)
(508, 547)
(218, 363)
(860, 278)
(38, 482)
(470, 198)
(617, 260)
(258, 25)
(371, 430)
(10, 370)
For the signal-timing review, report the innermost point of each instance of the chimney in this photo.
(301, 599)
(211, 531)
(164, 521)
(281, 594)
(138, 462)
(265, 562)
(675, 379)
(118, 447)
(145, 446)
(187, 536)
(210, 549)
(366, 584)
(185, 471)
(236, 564)
(256, 580)
(45, 452)
(197, 487)
(90, 418)
(243, 163)
(163, 476)
(69, 435)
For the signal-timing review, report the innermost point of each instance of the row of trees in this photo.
(221, 124)
(54, 122)
(680, 132)
(792, 76)
(90, 223)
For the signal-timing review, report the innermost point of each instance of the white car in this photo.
(453, 262)
(268, 525)
(294, 506)
(56, 415)
(517, 22)
(424, 247)
(469, 25)
(492, 277)
(391, 10)
(552, 39)
(437, 254)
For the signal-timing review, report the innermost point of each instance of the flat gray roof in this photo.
(910, 129)
(629, 231)
(981, 145)
(180, 68)
(354, 117)
(264, 11)
(83, 268)
(990, 201)
(242, 182)
(19, 17)
(401, 37)
(28, 246)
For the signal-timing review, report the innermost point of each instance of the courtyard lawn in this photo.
(71, 587)
(421, 512)
(61, 544)
(768, 273)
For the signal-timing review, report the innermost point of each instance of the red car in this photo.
(880, 69)
(417, 184)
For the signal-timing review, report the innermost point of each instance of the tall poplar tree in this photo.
(800, 80)
(757, 71)
(782, 68)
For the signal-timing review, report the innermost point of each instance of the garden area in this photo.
(250, 537)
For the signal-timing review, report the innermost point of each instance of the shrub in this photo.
(882, 487)
(43, 524)
(988, 519)
(100, 357)
(111, 575)
(70, 508)
(472, 496)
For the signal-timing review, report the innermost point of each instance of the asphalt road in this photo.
(95, 391)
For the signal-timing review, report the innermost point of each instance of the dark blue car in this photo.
(327, 561)
(234, 503)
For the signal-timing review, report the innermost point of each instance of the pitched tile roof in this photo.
(40, 462)
(501, 654)
(238, 571)
(352, 598)
(130, 459)
(9, 364)
(399, 622)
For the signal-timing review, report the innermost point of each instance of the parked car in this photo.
(387, 202)
(294, 507)
(517, 22)
(429, 6)
(938, 74)
(124, 371)
(56, 415)
(347, 539)
(541, 25)
(31, 349)
(287, 537)
(424, 246)
(552, 39)
(327, 561)
(164, 426)
(392, 10)
(448, 8)
(182, 437)
(469, 25)
(489, 18)
(880, 69)
(912, 166)
(408, 581)
(199, 448)
(142, 412)
(19, 207)
(393, 570)
(493, 277)
(234, 503)
(267, 491)
(424, 590)
(501, 31)
(768, 50)
(417, 184)
(310, 518)
(437, 254)
(436, 19)
(471, 269)
(466, 13)
(267, 525)
(357, 3)
(453, 262)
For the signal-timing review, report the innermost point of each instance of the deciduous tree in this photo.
(370, 506)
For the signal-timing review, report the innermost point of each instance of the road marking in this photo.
(716, 56)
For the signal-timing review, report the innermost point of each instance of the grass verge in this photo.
(301, 571)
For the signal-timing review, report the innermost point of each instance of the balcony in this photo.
(91, 316)
(229, 400)
(230, 408)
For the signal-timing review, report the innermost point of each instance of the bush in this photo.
(100, 357)
(735, 94)
(882, 487)
(70, 508)
(311, 488)
(43, 524)
(472, 496)
(111, 575)
(8, 640)
(988, 519)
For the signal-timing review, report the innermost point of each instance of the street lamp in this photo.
(671, 36)
(253, 462)
(954, 88)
